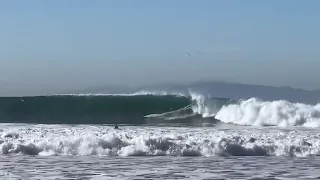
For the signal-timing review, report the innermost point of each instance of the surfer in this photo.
(116, 126)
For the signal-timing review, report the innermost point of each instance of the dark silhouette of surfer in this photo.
(116, 126)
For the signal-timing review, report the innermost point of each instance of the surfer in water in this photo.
(116, 126)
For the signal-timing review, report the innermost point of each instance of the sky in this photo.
(48, 46)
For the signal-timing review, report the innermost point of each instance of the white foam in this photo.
(138, 93)
(276, 113)
(205, 106)
(172, 115)
(255, 112)
(146, 141)
(158, 93)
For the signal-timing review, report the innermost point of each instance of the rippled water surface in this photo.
(57, 167)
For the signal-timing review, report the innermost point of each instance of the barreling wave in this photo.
(87, 109)
(154, 107)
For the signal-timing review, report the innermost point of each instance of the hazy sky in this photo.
(74, 44)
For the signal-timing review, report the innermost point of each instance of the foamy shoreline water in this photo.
(97, 140)
(37, 151)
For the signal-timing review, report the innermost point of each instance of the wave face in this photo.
(152, 107)
(83, 109)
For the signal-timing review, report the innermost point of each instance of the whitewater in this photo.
(161, 135)
(255, 112)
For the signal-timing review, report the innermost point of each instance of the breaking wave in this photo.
(166, 107)
(270, 113)
(254, 112)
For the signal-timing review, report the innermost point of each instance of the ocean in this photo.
(160, 136)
